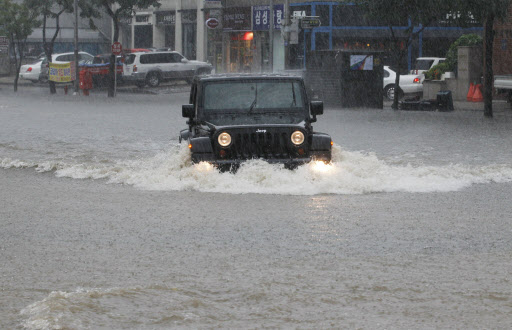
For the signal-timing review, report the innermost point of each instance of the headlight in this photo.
(297, 138)
(224, 139)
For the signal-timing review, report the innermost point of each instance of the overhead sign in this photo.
(117, 49)
(309, 22)
(212, 23)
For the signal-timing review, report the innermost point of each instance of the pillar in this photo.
(178, 38)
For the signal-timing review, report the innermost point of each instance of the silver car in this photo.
(155, 67)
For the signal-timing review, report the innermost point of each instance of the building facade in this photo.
(234, 35)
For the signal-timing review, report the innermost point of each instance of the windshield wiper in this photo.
(253, 104)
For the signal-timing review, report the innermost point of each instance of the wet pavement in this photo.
(107, 225)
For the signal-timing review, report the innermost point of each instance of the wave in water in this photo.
(349, 173)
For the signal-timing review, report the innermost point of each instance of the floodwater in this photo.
(106, 224)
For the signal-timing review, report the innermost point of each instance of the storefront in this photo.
(166, 29)
(238, 39)
(143, 30)
(189, 33)
(213, 18)
(344, 27)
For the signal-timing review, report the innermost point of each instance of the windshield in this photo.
(249, 96)
(424, 64)
(253, 102)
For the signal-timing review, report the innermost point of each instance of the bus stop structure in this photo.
(350, 79)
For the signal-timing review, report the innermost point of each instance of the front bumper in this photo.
(324, 156)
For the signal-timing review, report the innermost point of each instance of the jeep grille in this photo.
(273, 144)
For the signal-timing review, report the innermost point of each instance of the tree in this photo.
(415, 15)
(117, 9)
(488, 12)
(53, 9)
(18, 23)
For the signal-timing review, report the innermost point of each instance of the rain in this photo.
(255, 164)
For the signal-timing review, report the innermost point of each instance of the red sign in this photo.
(212, 23)
(117, 48)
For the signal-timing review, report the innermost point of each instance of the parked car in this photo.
(155, 67)
(410, 83)
(235, 118)
(61, 58)
(424, 64)
(503, 84)
(100, 69)
(32, 71)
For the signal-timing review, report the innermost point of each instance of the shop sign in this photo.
(4, 44)
(188, 16)
(300, 11)
(142, 18)
(237, 19)
(212, 23)
(261, 17)
(166, 18)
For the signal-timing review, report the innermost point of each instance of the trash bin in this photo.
(444, 101)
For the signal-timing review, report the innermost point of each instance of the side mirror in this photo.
(317, 108)
(188, 111)
(184, 60)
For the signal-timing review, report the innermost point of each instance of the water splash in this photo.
(350, 173)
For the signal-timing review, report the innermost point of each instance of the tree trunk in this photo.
(113, 64)
(488, 70)
(397, 80)
(11, 40)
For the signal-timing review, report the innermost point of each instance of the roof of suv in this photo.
(246, 76)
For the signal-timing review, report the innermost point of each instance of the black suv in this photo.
(233, 118)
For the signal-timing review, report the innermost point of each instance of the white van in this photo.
(424, 64)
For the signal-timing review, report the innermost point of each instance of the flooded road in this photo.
(106, 225)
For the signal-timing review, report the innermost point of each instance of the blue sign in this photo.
(261, 17)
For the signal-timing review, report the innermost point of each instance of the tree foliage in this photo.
(52, 10)
(18, 22)
(118, 9)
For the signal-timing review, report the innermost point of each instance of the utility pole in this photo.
(76, 47)
(271, 37)
(287, 33)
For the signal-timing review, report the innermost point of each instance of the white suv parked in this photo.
(152, 68)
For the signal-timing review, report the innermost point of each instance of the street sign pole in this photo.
(271, 37)
(117, 49)
(76, 48)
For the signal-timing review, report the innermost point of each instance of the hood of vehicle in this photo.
(198, 62)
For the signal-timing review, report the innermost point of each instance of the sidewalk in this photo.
(165, 87)
(181, 86)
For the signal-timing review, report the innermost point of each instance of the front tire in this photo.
(153, 79)
(391, 91)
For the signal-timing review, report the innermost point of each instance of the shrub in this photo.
(436, 71)
(452, 54)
